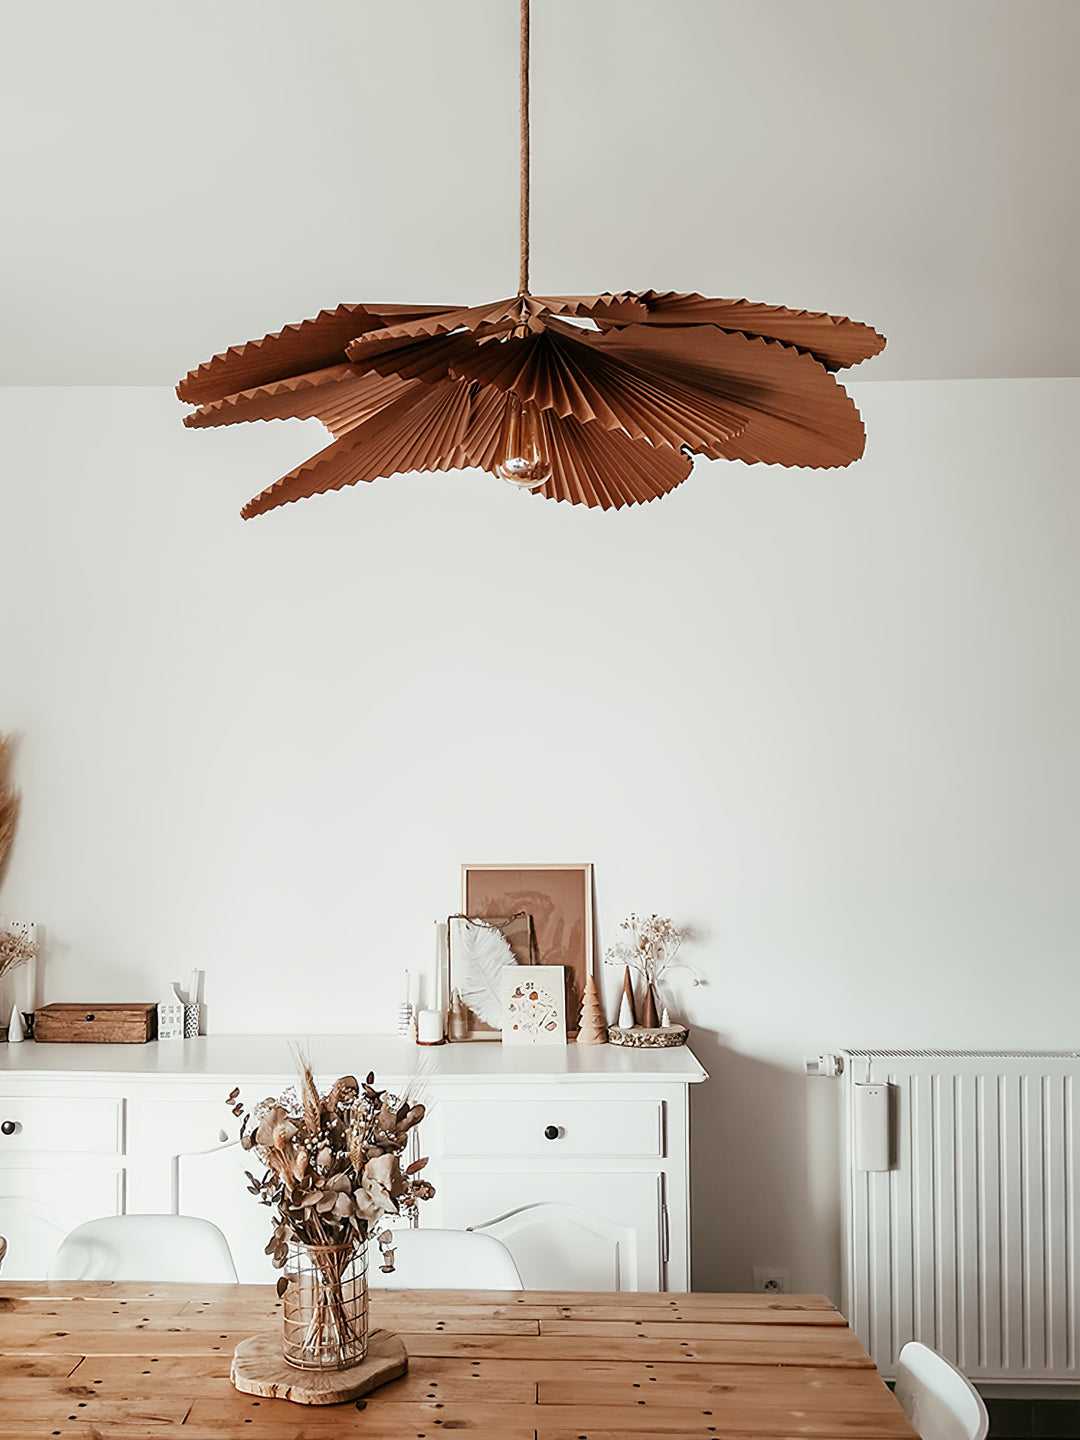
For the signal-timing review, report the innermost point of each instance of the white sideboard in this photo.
(577, 1158)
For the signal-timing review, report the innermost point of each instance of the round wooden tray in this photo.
(664, 1037)
(259, 1368)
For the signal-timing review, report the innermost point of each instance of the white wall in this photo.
(827, 719)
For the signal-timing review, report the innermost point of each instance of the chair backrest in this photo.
(3, 1248)
(445, 1260)
(940, 1402)
(145, 1247)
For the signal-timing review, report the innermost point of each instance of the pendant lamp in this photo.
(599, 400)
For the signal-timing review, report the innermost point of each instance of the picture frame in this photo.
(559, 901)
(534, 1005)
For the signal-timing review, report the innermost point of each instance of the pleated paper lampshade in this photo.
(600, 400)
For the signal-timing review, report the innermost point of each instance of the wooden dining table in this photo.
(124, 1360)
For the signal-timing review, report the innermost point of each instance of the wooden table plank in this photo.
(389, 1312)
(782, 1400)
(628, 1348)
(295, 1424)
(608, 1299)
(163, 1413)
(748, 1344)
(99, 1308)
(85, 1292)
(31, 1337)
(718, 1313)
(660, 1431)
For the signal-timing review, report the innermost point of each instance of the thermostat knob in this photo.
(551, 1132)
(9, 1127)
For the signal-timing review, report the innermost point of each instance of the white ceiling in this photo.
(182, 175)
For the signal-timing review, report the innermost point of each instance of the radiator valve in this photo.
(827, 1066)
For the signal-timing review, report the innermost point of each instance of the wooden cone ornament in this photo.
(599, 400)
(649, 1018)
(627, 1009)
(592, 1028)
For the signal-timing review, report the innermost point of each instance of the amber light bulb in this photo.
(523, 458)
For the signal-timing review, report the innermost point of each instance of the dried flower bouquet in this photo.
(651, 950)
(15, 949)
(333, 1170)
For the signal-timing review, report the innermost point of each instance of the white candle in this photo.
(429, 1027)
(438, 999)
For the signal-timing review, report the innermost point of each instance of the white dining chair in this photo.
(939, 1400)
(145, 1247)
(445, 1260)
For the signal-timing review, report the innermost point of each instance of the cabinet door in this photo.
(566, 1231)
(39, 1204)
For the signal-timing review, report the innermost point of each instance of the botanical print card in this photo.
(534, 1005)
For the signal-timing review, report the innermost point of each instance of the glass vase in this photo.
(325, 1306)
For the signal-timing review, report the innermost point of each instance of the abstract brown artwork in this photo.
(559, 900)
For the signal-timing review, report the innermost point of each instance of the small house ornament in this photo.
(170, 1019)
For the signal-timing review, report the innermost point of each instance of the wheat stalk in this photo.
(15, 947)
(9, 803)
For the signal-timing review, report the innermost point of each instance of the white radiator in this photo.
(968, 1241)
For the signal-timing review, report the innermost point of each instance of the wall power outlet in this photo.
(772, 1279)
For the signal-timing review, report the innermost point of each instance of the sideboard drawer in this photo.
(553, 1128)
(69, 1123)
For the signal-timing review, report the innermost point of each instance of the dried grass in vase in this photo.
(15, 949)
(333, 1170)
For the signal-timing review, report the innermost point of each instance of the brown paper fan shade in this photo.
(600, 400)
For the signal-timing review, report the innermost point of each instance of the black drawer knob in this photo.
(551, 1132)
(8, 1127)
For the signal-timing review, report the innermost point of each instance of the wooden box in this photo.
(103, 1024)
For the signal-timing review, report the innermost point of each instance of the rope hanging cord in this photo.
(523, 271)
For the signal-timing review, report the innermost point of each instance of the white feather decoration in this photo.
(484, 954)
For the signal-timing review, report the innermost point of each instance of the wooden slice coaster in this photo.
(663, 1037)
(259, 1368)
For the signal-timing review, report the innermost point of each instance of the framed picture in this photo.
(477, 950)
(534, 1005)
(558, 901)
